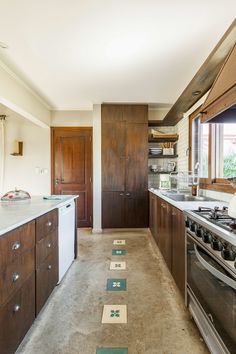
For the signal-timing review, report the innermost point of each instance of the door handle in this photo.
(128, 194)
(57, 181)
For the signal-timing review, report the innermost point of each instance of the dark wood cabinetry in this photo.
(124, 166)
(167, 228)
(28, 274)
(46, 257)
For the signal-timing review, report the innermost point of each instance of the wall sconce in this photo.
(18, 148)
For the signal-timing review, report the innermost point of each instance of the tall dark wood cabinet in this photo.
(124, 166)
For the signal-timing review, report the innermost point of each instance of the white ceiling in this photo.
(78, 52)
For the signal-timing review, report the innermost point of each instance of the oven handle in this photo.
(214, 271)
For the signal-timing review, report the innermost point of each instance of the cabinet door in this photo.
(17, 316)
(137, 113)
(136, 209)
(178, 249)
(113, 156)
(46, 279)
(153, 214)
(113, 209)
(165, 233)
(136, 157)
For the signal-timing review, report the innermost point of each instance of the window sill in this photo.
(218, 186)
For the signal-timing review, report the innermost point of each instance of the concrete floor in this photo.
(158, 322)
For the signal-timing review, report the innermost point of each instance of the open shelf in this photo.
(162, 140)
(161, 172)
(162, 156)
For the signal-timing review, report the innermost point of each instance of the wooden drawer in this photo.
(46, 223)
(17, 316)
(12, 277)
(16, 242)
(46, 278)
(45, 246)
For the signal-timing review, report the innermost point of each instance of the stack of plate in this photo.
(155, 151)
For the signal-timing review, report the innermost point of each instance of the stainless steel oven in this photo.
(211, 296)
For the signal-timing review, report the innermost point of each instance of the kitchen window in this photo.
(212, 153)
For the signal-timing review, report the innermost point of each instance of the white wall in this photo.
(72, 118)
(20, 170)
(17, 96)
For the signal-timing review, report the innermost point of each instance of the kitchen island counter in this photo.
(17, 213)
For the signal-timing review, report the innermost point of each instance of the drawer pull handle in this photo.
(49, 245)
(15, 246)
(49, 223)
(121, 193)
(15, 277)
(16, 308)
(49, 267)
(128, 194)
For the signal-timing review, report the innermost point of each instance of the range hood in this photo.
(220, 104)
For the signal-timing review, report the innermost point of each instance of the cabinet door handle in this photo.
(173, 214)
(15, 276)
(49, 267)
(128, 194)
(49, 245)
(16, 308)
(121, 193)
(49, 223)
(57, 181)
(16, 246)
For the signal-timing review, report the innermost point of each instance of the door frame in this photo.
(52, 129)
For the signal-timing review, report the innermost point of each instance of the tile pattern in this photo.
(114, 314)
(118, 252)
(119, 242)
(112, 351)
(118, 265)
(116, 284)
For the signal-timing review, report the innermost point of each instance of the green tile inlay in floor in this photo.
(118, 252)
(112, 351)
(116, 284)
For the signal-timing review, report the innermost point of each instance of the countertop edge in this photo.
(58, 204)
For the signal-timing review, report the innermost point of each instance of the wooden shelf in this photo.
(162, 140)
(162, 156)
(161, 172)
(154, 123)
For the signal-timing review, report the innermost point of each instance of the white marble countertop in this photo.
(17, 213)
(188, 205)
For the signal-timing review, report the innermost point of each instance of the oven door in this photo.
(215, 290)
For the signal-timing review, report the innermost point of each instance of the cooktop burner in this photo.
(218, 217)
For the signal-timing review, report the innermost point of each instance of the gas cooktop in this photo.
(218, 217)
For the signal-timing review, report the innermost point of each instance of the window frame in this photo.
(211, 182)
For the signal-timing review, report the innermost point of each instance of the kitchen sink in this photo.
(181, 197)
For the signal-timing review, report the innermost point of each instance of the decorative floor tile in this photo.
(118, 265)
(114, 314)
(116, 284)
(118, 252)
(112, 351)
(119, 242)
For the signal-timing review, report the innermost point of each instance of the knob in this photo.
(206, 237)
(187, 223)
(15, 246)
(128, 194)
(49, 267)
(228, 255)
(49, 245)
(49, 223)
(199, 232)
(16, 308)
(15, 276)
(216, 245)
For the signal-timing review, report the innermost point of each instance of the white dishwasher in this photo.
(66, 237)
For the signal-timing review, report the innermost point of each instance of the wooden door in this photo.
(113, 148)
(165, 233)
(113, 209)
(178, 249)
(153, 215)
(136, 209)
(72, 168)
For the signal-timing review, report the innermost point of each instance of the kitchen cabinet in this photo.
(28, 274)
(17, 285)
(46, 257)
(168, 230)
(124, 166)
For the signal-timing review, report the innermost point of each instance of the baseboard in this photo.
(96, 231)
